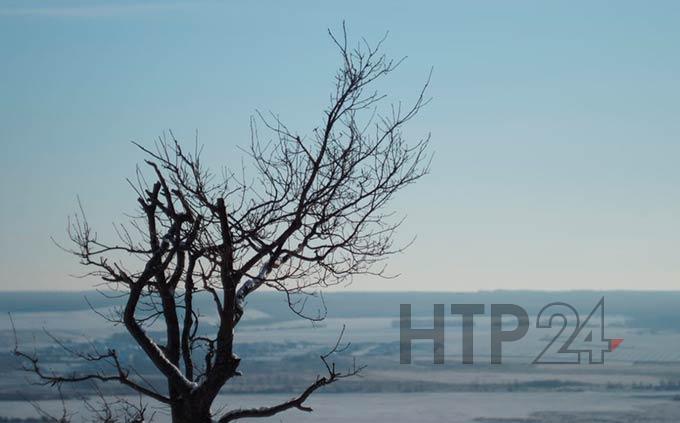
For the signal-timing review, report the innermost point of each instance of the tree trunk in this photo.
(190, 412)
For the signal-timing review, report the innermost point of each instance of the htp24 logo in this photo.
(582, 337)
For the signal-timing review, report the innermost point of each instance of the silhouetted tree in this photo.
(313, 216)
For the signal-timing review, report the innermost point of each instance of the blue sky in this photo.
(554, 124)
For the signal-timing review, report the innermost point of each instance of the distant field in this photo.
(486, 407)
(280, 355)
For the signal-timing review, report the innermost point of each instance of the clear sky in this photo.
(555, 125)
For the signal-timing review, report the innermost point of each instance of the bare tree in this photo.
(313, 215)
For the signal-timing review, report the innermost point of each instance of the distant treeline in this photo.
(643, 309)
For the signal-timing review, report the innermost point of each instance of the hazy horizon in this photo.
(395, 291)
